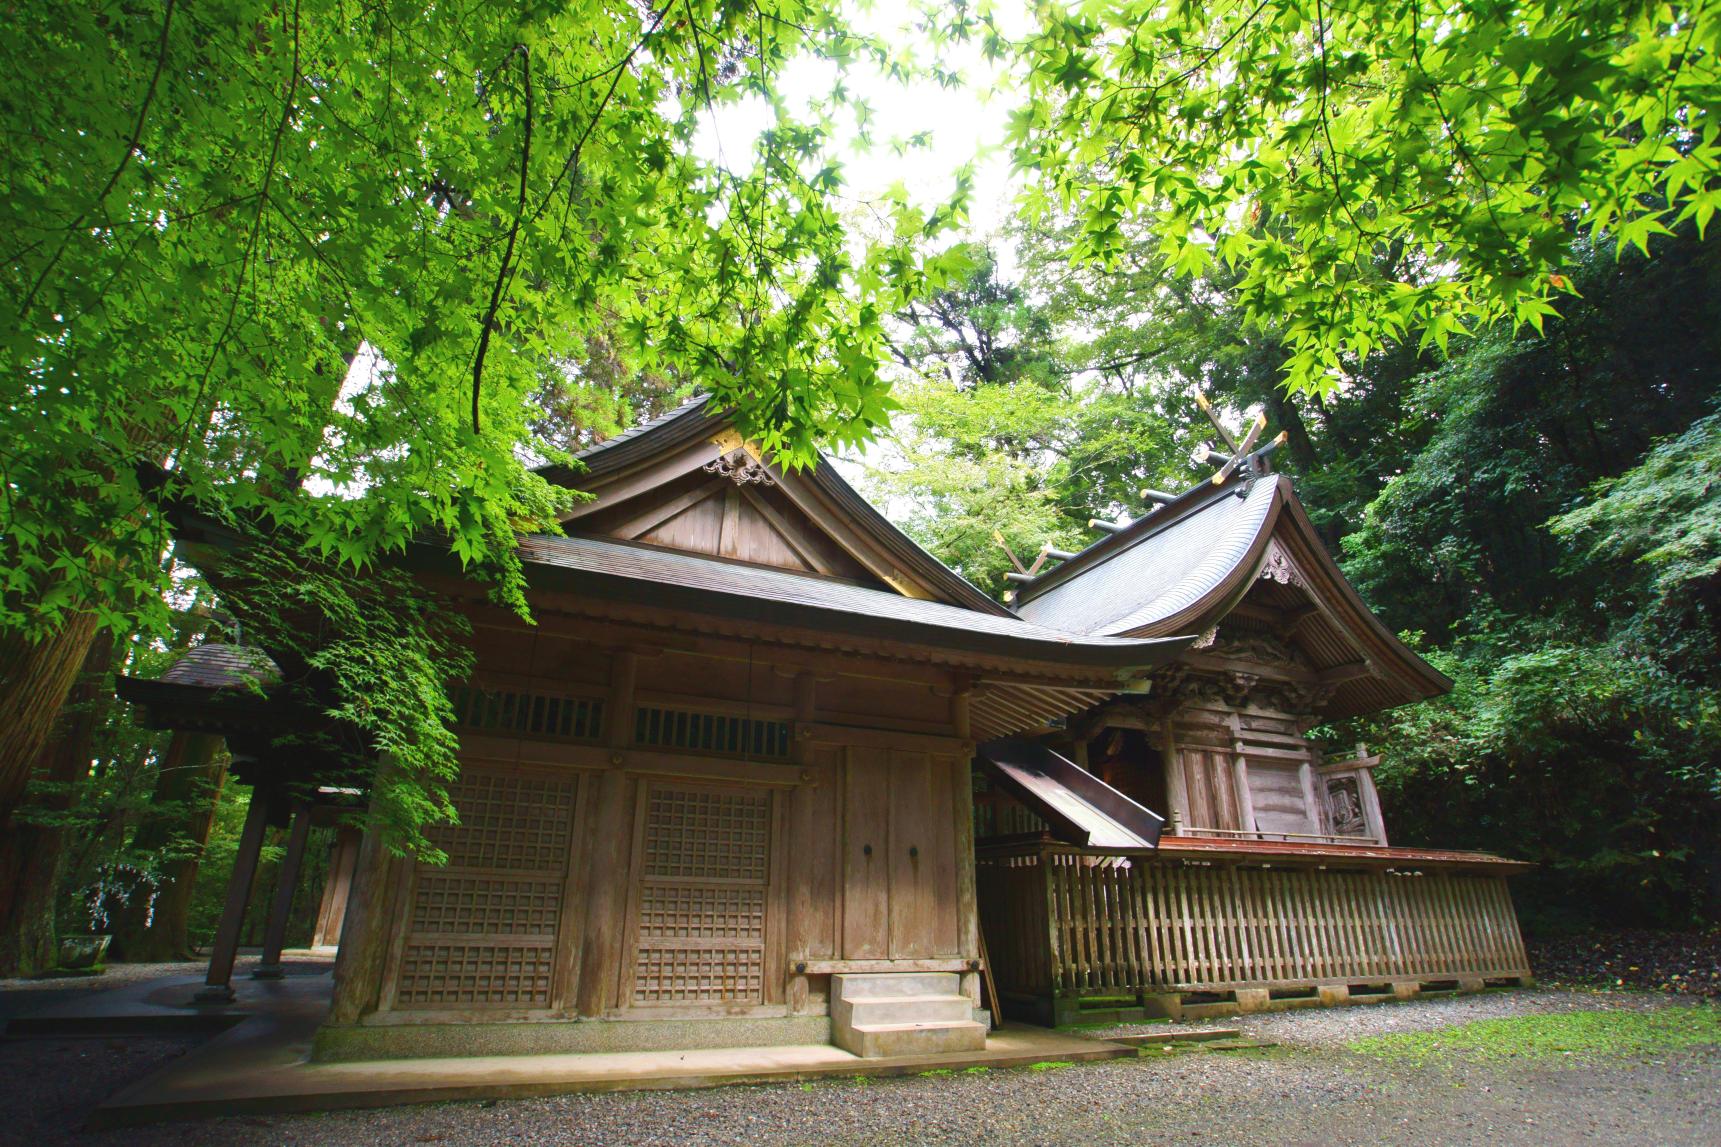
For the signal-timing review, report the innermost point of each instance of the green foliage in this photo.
(375, 652)
(208, 208)
(1665, 513)
(1561, 564)
(1005, 432)
(1371, 173)
(1581, 1035)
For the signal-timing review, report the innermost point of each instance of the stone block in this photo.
(1253, 1000)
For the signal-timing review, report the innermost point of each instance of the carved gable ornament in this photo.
(1280, 568)
(741, 468)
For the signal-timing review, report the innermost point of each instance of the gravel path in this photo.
(1335, 1027)
(1307, 1091)
(20, 997)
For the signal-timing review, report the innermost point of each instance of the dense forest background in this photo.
(1539, 512)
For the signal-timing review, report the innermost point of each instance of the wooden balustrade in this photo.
(1061, 923)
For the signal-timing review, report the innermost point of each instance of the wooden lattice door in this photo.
(701, 896)
(483, 929)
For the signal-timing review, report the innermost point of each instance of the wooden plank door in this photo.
(866, 854)
(913, 854)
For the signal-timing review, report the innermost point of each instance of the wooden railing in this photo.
(1063, 924)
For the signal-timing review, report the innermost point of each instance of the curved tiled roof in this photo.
(214, 665)
(1163, 572)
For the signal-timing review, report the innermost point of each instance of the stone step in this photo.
(877, 985)
(872, 1041)
(906, 1009)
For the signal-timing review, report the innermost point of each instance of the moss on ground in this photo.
(1587, 1034)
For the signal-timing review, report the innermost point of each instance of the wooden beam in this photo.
(1349, 671)
(649, 520)
(286, 881)
(787, 532)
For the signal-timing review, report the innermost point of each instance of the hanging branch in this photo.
(505, 272)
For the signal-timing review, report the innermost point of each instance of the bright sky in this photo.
(966, 122)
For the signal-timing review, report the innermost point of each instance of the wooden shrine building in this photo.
(724, 792)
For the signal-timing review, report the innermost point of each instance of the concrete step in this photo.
(871, 1041)
(903, 1013)
(882, 984)
(907, 1009)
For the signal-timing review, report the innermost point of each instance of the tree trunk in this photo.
(187, 788)
(35, 677)
(30, 854)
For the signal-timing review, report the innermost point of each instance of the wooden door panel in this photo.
(912, 856)
(866, 859)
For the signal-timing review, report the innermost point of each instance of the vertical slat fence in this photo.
(1062, 923)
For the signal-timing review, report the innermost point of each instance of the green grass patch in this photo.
(1547, 1037)
(1050, 1064)
(936, 1072)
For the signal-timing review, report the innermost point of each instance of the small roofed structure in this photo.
(1274, 879)
(231, 691)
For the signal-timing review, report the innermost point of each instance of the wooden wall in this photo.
(707, 830)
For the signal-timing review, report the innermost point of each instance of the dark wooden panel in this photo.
(913, 856)
(866, 859)
(814, 840)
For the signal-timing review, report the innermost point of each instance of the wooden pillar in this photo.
(275, 932)
(1306, 778)
(332, 911)
(1176, 784)
(1371, 814)
(611, 820)
(367, 932)
(218, 982)
(1240, 777)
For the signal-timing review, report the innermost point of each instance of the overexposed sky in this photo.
(966, 122)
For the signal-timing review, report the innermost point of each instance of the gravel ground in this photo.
(1335, 1027)
(1306, 1091)
(20, 997)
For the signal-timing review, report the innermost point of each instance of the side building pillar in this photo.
(218, 981)
(275, 934)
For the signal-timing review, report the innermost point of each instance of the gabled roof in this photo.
(1157, 570)
(1188, 564)
(610, 464)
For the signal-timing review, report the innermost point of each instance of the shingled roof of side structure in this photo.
(1186, 565)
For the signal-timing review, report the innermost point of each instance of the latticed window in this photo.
(733, 734)
(483, 928)
(528, 713)
(702, 894)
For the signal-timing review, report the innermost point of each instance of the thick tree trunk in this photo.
(187, 787)
(35, 677)
(30, 854)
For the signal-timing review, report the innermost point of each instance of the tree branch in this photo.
(119, 169)
(504, 273)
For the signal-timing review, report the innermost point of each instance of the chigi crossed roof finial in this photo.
(1244, 458)
(1253, 462)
